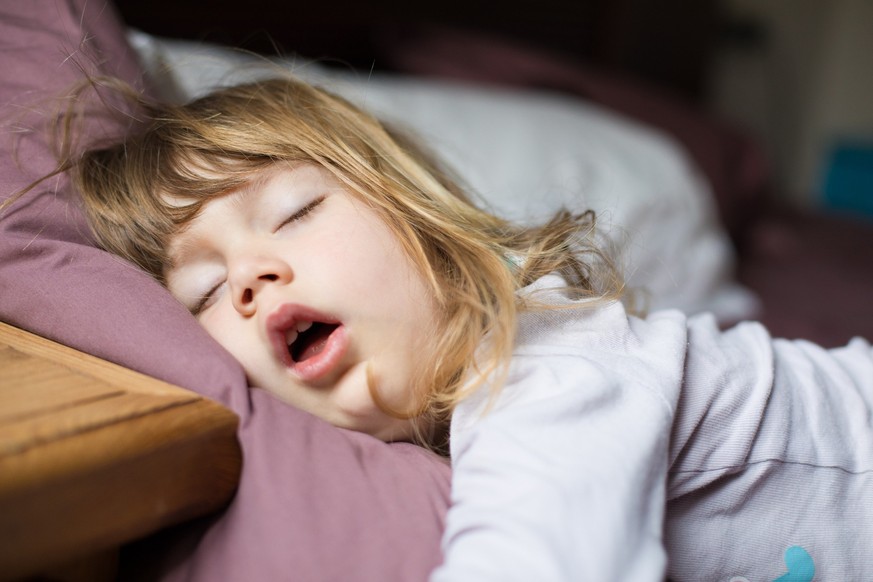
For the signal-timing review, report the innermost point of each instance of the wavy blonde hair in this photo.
(473, 262)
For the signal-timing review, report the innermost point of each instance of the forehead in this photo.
(252, 200)
(209, 212)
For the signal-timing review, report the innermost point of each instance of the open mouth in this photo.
(308, 339)
(310, 344)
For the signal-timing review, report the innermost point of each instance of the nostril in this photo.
(247, 296)
(269, 277)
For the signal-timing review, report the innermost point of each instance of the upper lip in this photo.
(291, 316)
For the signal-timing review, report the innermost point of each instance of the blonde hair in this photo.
(473, 262)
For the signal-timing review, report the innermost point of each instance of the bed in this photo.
(528, 130)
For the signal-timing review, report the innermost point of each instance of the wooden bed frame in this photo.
(93, 455)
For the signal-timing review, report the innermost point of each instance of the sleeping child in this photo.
(352, 277)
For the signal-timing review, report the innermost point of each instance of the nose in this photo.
(249, 276)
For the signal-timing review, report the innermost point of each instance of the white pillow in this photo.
(526, 154)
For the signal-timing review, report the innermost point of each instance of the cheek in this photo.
(241, 346)
(213, 321)
(363, 255)
(225, 330)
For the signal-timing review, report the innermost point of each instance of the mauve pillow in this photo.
(314, 502)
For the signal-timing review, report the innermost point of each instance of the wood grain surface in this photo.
(93, 455)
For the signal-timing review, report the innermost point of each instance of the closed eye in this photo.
(205, 300)
(302, 213)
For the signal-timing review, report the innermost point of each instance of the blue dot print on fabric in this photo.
(800, 566)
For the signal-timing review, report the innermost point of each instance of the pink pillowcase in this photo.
(314, 502)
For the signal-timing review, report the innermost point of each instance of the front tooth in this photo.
(290, 336)
(303, 326)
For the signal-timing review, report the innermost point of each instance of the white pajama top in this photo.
(627, 449)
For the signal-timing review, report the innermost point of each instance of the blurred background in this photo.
(798, 74)
(795, 74)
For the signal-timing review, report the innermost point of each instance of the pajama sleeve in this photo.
(771, 462)
(563, 478)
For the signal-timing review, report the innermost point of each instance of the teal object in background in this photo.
(848, 182)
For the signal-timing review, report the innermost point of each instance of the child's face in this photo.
(295, 260)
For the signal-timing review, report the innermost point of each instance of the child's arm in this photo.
(564, 479)
(772, 450)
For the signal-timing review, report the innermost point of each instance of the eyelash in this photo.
(198, 307)
(201, 303)
(303, 212)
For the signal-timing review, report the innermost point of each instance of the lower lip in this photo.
(325, 361)
(320, 364)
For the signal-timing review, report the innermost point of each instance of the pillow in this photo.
(735, 167)
(526, 154)
(310, 495)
